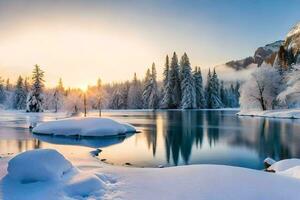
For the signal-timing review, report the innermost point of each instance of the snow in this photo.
(84, 126)
(38, 165)
(92, 179)
(281, 113)
(294, 30)
(286, 164)
(46, 174)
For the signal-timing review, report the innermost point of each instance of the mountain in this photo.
(289, 52)
(266, 54)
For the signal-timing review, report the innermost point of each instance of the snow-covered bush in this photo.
(38, 165)
(261, 90)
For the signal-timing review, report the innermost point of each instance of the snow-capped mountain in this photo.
(292, 42)
(241, 69)
(266, 53)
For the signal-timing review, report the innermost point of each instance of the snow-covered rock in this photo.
(268, 162)
(283, 165)
(38, 165)
(84, 126)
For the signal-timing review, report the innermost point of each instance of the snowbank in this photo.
(203, 182)
(95, 180)
(46, 174)
(283, 165)
(38, 165)
(84, 126)
(282, 113)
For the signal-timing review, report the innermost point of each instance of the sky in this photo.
(81, 40)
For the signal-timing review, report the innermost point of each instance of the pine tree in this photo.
(223, 95)
(2, 91)
(58, 96)
(26, 85)
(8, 85)
(146, 89)
(35, 97)
(188, 100)
(117, 99)
(208, 90)
(174, 83)
(154, 96)
(212, 91)
(167, 90)
(135, 94)
(215, 95)
(19, 97)
(200, 100)
(99, 96)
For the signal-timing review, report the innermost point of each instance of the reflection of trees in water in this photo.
(17, 146)
(151, 133)
(269, 141)
(213, 127)
(180, 137)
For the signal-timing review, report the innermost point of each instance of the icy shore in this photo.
(282, 113)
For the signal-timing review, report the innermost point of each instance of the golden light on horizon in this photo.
(79, 55)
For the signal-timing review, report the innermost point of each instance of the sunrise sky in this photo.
(83, 40)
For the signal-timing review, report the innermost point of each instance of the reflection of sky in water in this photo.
(169, 138)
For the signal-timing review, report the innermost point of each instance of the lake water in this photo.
(167, 138)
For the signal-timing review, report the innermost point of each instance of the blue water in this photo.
(169, 138)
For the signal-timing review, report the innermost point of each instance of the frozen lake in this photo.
(167, 138)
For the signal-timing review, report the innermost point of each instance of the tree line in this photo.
(181, 88)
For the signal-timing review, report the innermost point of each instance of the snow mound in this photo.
(84, 126)
(291, 172)
(38, 165)
(83, 185)
(284, 165)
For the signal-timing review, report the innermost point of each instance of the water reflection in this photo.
(92, 142)
(170, 138)
(217, 137)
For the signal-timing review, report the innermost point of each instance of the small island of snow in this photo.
(84, 126)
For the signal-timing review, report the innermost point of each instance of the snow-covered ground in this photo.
(282, 113)
(88, 178)
(84, 126)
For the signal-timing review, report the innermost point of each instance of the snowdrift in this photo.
(38, 165)
(84, 126)
(46, 174)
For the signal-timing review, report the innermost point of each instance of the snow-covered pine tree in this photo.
(147, 89)
(35, 97)
(135, 94)
(154, 96)
(200, 100)
(58, 96)
(26, 85)
(99, 96)
(208, 89)
(2, 91)
(19, 96)
(174, 83)
(224, 95)
(116, 100)
(188, 100)
(8, 86)
(167, 90)
(215, 93)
